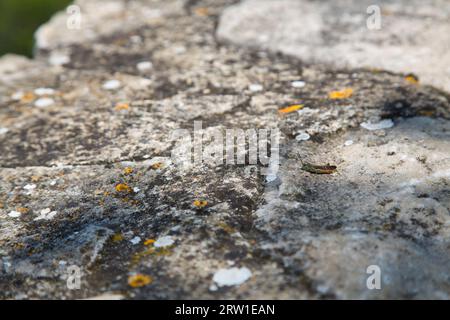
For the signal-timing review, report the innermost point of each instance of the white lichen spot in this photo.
(213, 287)
(135, 240)
(14, 214)
(348, 143)
(383, 124)
(30, 187)
(3, 130)
(136, 189)
(298, 84)
(17, 96)
(271, 177)
(44, 102)
(58, 59)
(302, 136)
(144, 66)
(255, 87)
(180, 49)
(164, 242)
(46, 214)
(44, 91)
(111, 85)
(232, 276)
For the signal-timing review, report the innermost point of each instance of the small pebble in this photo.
(298, 84)
(44, 102)
(164, 242)
(232, 276)
(111, 85)
(3, 130)
(383, 124)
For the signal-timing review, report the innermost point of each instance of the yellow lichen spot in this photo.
(19, 245)
(117, 237)
(157, 165)
(27, 97)
(343, 94)
(23, 210)
(200, 203)
(128, 170)
(290, 109)
(163, 252)
(122, 106)
(226, 227)
(123, 187)
(412, 79)
(202, 11)
(149, 242)
(35, 178)
(427, 113)
(139, 280)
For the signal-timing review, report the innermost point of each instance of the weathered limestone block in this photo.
(413, 36)
(87, 179)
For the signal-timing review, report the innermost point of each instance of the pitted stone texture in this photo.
(293, 233)
(413, 37)
(388, 206)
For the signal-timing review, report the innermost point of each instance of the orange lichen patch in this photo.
(122, 106)
(290, 109)
(35, 178)
(202, 11)
(23, 210)
(128, 170)
(157, 165)
(342, 94)
(117, 237)
(412, 79)
(200, 203)
(27, 97)
(123, 187)
(149, 242)
(139, 280)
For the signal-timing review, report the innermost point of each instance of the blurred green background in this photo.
(19, 19)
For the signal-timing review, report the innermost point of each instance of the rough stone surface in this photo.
(301, 235)
(413, 37)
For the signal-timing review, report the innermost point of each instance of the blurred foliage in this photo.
(19, 19)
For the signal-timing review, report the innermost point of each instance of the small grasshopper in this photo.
(317, 169)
